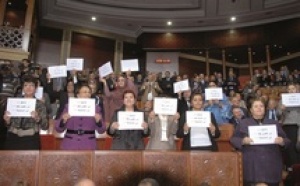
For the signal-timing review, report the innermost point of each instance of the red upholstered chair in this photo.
(107, 143)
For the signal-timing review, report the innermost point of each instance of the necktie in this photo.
(273, 114)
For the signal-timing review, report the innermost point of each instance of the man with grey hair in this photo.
(148, 182)
(85, 182)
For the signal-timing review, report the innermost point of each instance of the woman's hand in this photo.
(115, 125)
(212, 129)
(186, 128)
(65, 117)
(145, 125)
(6, 117)
(247, 141)
(35, 116)
(176, 116)
(279, 141)
(98, 117)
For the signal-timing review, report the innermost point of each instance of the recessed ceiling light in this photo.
(233, 18)
(169, 23)
(9, 3)
(93, 18)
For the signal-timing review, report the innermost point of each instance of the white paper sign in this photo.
(199, 137)
(74, 64)
(129, 65)
(198, 118)
(181, 86)
(105, 69)
(166, 106)
(291, 99)
(213, 94)
(130, 120)
(39, 93)
(20, 107)
(264, 134)
(82, 107)
(57, 71)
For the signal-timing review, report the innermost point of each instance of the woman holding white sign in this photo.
(290, 107)
(114, 99)
(23, 132)
(80, 130)
(163, 131)
(260, 141)
(198, 137)
(127, 139)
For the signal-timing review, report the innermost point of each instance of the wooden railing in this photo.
(118, 168)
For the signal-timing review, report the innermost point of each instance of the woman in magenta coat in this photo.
(80, 131)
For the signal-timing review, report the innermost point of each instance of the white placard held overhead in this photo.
(20, 107)
(213, 94)
(129, 65)
(198, 118)
(57, 71)
(291, 99)
(39, 93)
(75, 64)
(130, 120)
(105, 69)
(181, 86)
(264, 134)
(166, 106)
(82, 107)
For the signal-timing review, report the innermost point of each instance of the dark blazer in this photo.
(126, 139)
(186, 144)
(182, 106)
(234, 122)
(245, 111)
(277, 112)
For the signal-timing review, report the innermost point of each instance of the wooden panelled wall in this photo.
(280, 32)
(119, 168)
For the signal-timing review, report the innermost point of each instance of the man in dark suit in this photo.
(272, 112)
(184, 103)
(167, 84)
(235, 101)
(237, 115)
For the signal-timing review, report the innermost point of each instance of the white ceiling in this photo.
(133, 17)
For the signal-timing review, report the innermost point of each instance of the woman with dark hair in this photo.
(262, 163)
(113, 99)
(127, 139)
(23, 132)
(80, 130)
(184, 131)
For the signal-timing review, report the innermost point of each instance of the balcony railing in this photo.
(14, 38)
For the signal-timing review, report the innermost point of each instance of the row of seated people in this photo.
(115, 99)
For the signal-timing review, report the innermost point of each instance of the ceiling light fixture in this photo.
(93, 18)
(9, 3)
(169, 23)
(233, 19)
